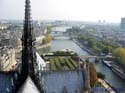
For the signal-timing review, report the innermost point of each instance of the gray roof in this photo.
(63, 82)
(6, 82)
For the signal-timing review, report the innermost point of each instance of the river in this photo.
(100, 67)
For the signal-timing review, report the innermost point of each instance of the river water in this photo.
(100, 67)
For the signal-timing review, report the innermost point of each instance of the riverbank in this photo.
(43, 46)
(113, 66)
(107, 86)
(117, 69)
(83, 47)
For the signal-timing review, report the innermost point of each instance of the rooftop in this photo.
(6, 82)
(63, 82)
(61, 60)
(28, 87)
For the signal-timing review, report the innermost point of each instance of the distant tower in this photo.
(28, 53)
(122, 24)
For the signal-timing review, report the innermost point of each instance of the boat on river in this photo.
(108, 63)
(119, 71)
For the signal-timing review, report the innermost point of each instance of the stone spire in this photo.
(28, 53)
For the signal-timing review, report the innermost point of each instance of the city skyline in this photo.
(76, 10)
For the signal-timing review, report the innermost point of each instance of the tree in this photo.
(120, 54)
(101, 75)
(83, 37)
(93, 75)
(47, 39)
(91, 42)
(97, 50)
(107, 49)
(44, 41)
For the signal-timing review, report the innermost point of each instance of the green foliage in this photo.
(101, 75)
(47, 39)
(91, 42)
(100, 45)
(52, 65)
(83, 37)
(57, 64)
(73, 63)
(68, 63)
(107, 49)
(97, 47)
(120, 54)
(87, 60)
(62, 63)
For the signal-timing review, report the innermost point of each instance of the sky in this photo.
(77, 10)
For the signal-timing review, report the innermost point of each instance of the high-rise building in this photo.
(122, 24)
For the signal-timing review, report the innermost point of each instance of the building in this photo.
(2, 27)
(41, 62)
(39, 39)
(122, 24)
(59, 31)
(7, 59)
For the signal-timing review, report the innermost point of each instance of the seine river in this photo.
(100, 67)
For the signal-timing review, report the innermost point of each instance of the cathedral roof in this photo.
(28, 87)
(6, 82)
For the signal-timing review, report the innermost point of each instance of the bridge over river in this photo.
(94, 57)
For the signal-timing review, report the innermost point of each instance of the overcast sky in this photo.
(84, 10)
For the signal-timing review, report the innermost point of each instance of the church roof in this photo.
(40, 61)
(6, 82)
(29, 87)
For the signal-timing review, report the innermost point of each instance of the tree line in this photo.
(103, 47)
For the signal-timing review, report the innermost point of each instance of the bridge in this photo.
(86, 57)
(91, 57)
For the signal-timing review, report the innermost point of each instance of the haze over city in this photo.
(81, 10)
